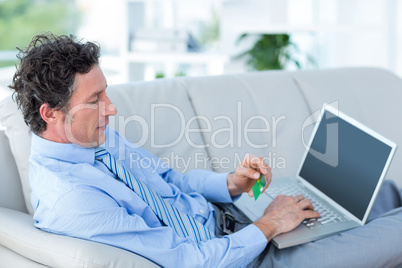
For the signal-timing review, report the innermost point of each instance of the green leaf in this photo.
(270, 51)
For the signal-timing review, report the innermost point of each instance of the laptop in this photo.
(341, 173)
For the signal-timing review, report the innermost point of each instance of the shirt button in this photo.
(202, 211)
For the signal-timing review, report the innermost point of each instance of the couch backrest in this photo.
(264, 113)
(259, 113)
(159, 116)
(10, 185)
(200, 122)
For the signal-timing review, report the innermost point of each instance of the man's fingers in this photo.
(252, 167)
(299, 198)
(255, 162)
(308, 209)
(250, 193)
(309, 214)
(249, 173)
(305, 204)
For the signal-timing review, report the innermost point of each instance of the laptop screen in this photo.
(345, 163)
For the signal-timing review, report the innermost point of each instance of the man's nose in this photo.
(110, 109)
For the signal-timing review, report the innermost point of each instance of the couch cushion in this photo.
(370, 95)
(10, 191)
(158, 116)
(11, 259)
(260, 113)
(20, 143)
(18, 234)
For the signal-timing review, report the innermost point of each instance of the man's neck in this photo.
(52, 135)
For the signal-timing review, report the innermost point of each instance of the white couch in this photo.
(198, 122)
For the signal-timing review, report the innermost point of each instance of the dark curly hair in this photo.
(46, 74)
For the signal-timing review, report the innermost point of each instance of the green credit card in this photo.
(259, 186)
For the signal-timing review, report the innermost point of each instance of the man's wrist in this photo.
(269, 228)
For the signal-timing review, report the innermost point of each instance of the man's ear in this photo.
(48, 114)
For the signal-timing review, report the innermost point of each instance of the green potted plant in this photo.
(271, 51)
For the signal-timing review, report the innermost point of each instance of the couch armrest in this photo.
(18, 233)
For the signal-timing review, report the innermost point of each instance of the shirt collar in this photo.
(68, 152)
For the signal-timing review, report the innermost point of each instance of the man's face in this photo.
(89, 110)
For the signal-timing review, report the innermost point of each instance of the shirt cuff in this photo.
(216, 188)
(253, 239)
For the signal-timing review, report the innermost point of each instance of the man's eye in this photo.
(94, 102)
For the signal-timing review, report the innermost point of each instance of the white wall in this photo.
(337, 33)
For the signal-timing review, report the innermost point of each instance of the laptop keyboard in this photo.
(328, 215)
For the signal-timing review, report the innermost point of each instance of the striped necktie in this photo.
(183, 224)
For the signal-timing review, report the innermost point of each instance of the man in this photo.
(82, 186)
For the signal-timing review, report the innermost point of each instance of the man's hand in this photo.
(246, 174)
(284, 214)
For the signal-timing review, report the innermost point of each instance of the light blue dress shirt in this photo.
(74, 195)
